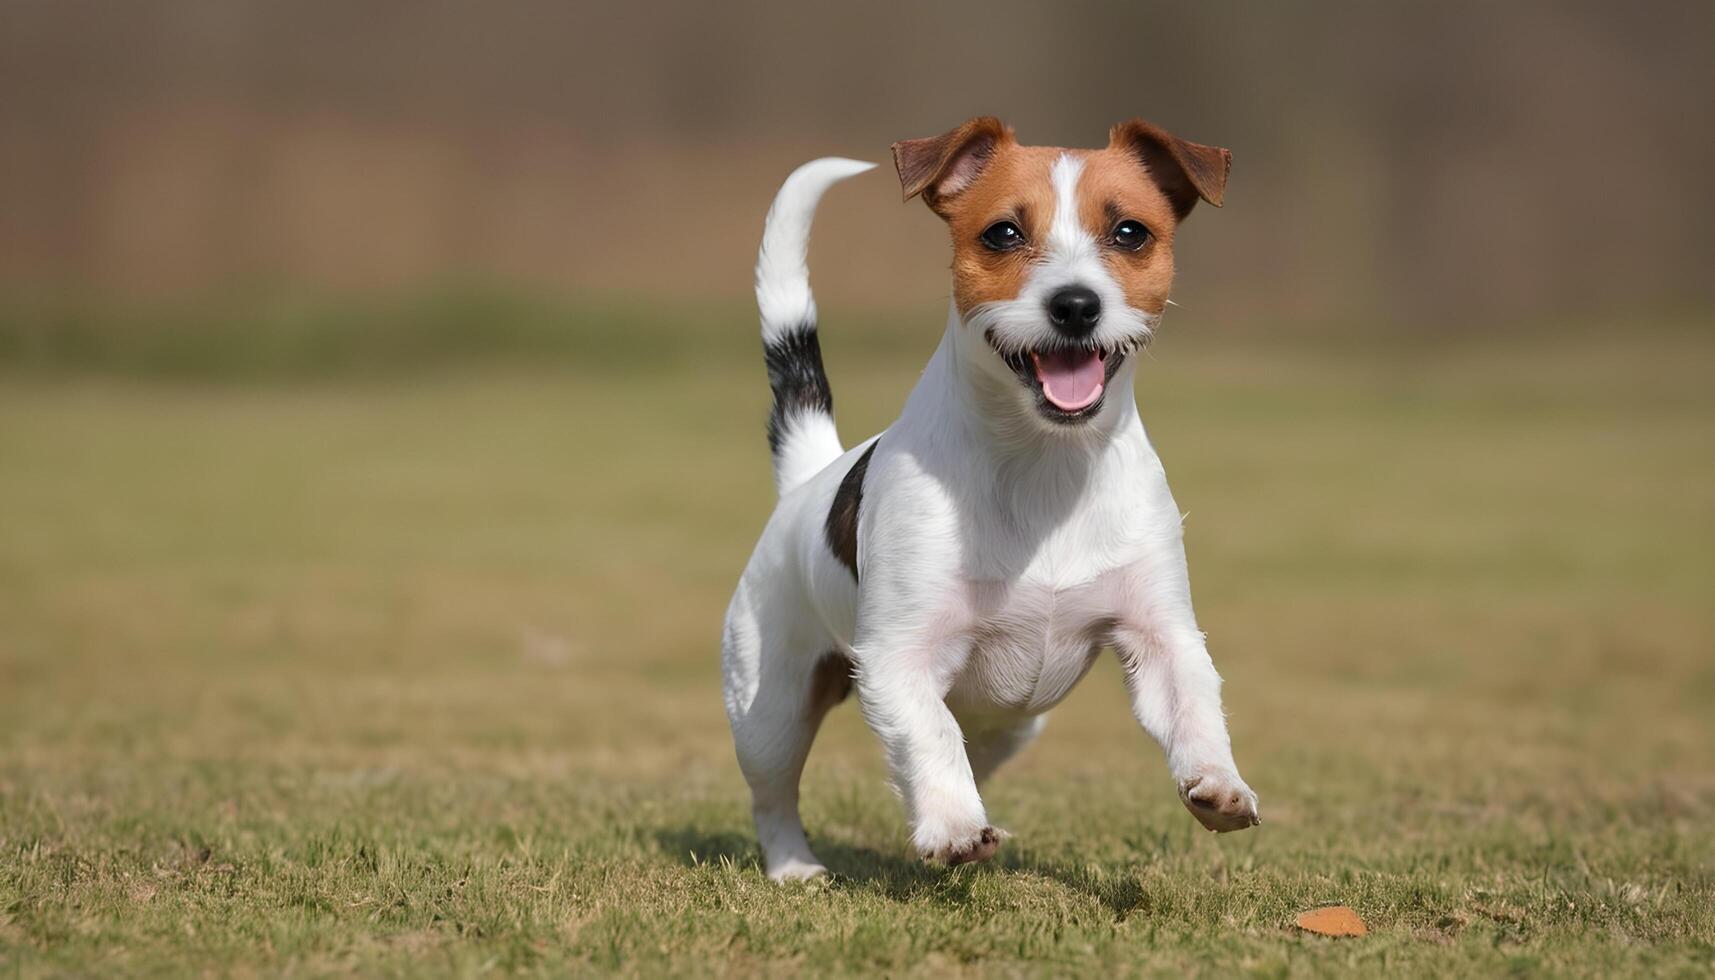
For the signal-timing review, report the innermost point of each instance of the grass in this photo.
(418, 676)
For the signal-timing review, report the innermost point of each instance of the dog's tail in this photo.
(801, 431)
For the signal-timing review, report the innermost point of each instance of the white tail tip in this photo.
(782, 274)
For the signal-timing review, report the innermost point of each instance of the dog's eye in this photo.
(1003, 236)
(1130, 235)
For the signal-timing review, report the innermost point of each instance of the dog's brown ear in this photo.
(1185, 171)
(942, 166)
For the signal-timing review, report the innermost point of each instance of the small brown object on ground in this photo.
(1332, 920)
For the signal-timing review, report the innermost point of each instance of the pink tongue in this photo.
(1072, 379)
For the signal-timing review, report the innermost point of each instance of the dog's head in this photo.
(1062, 259)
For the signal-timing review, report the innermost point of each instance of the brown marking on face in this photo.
(978, 174)
(1186, 172)
(1115, 187)
(1015, 186)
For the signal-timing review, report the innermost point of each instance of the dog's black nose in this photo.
(1075, 310)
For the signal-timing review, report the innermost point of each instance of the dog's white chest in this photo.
(1027, 645)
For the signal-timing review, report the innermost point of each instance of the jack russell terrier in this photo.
(962, 569)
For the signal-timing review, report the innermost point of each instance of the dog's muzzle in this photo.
(1067, 377)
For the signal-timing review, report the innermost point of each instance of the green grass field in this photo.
(418, 675)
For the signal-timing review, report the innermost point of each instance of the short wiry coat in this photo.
(962, 570)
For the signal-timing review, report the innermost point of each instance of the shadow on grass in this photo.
(901, 879)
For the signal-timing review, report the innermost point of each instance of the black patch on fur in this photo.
(795, 374)
(830, 682)
(842, 526)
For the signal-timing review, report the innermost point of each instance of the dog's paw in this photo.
(979, 846)
(1220, 801)
(795, 870)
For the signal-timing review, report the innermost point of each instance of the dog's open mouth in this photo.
(1071, 379)
(1068, 381)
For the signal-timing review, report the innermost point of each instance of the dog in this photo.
(962, 570)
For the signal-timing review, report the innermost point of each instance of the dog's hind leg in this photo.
(777, 693)
(989, 748)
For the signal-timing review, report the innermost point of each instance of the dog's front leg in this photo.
(1176, 696)
(902, 690)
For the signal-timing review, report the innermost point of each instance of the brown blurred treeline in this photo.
(1444, 165)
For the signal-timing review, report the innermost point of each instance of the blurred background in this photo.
(381, 435)
(1434, 167)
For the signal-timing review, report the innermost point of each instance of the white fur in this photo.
(998, 553)
(782, 275)
(809, 439)
(810, 442)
